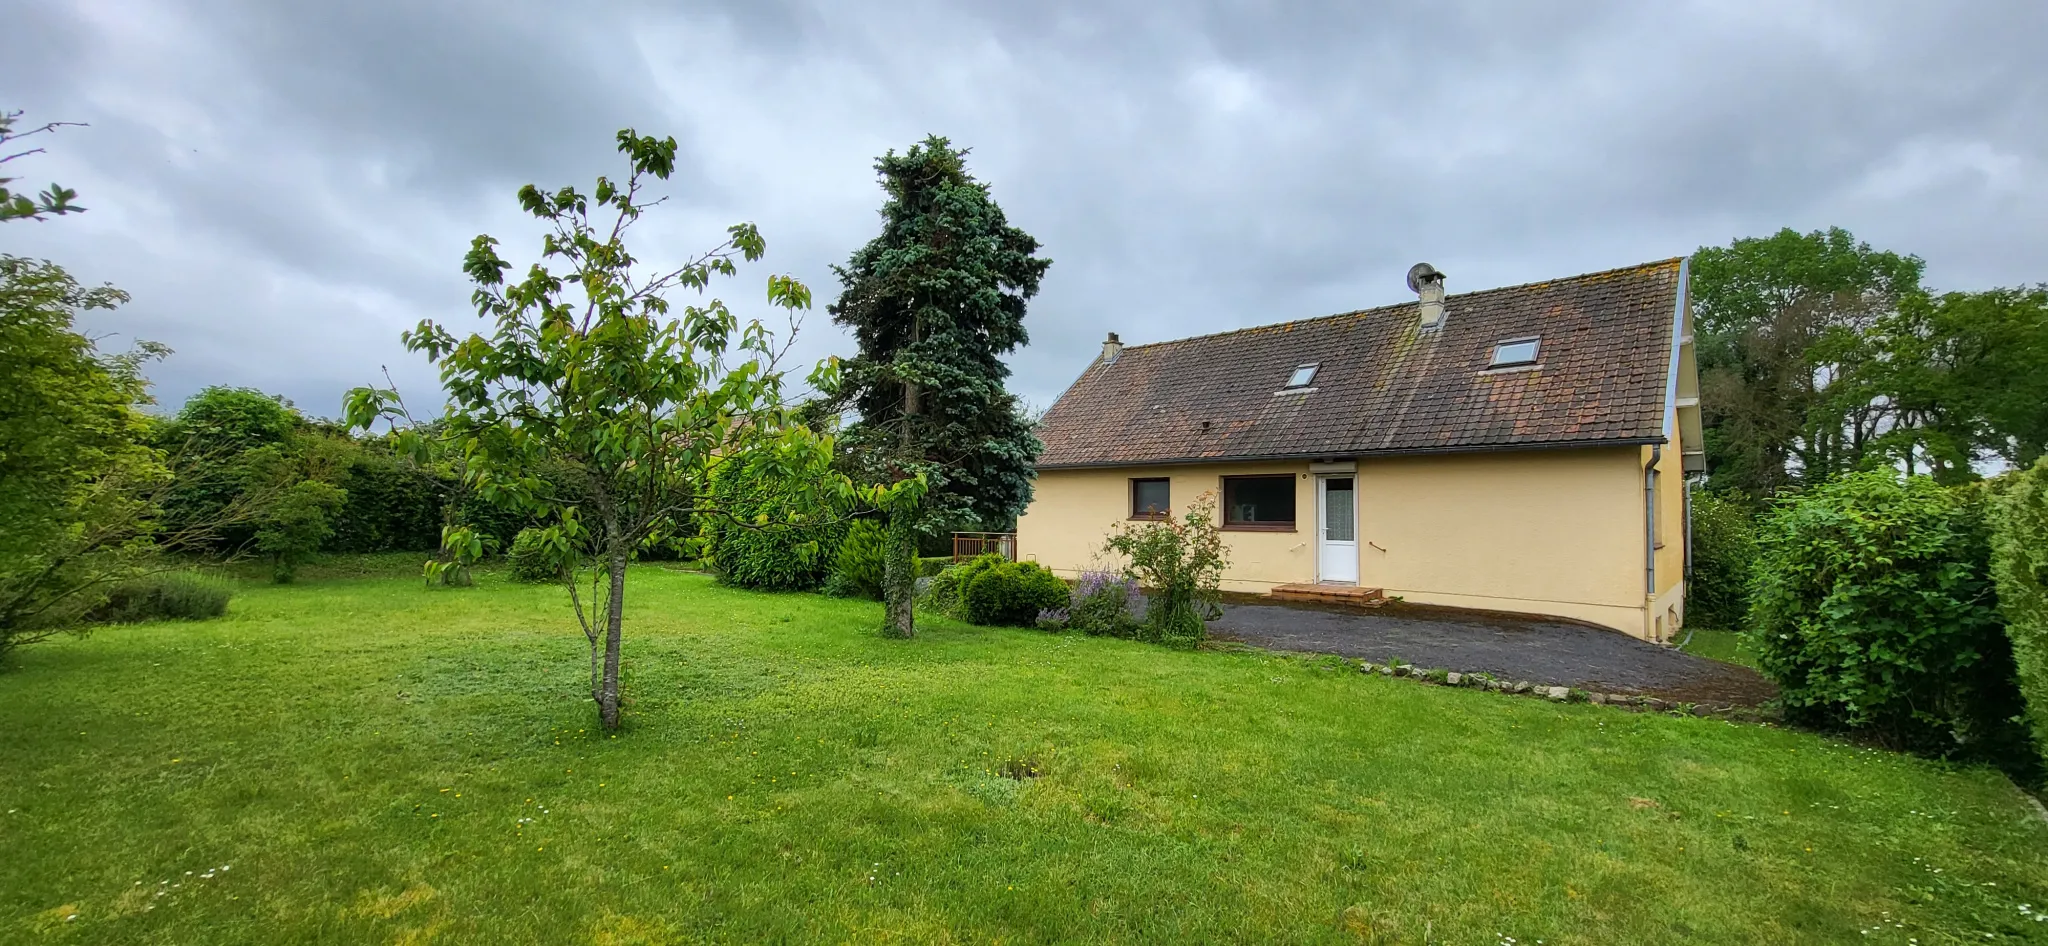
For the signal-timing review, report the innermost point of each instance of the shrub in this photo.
(857, 570)
(757, 546)
(2019, 560)
(166, 596)
(947, 587)
(294, 525)
(531, 558)
(1872, 609)
(1723, 551)
(931, 567)
(1182, 562)
(1011, 594)
(1102, 605)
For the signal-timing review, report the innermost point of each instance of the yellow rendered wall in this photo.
(1073, 511)
(1667, 612)
(1546, 532)
(1556, 532)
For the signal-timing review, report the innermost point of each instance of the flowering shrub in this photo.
(1182, 562)
(1102, 605)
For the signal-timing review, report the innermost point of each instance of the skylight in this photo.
(1520, 351)
(1302, 376)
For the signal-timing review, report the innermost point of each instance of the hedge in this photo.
(770, 554)
(2019, 557)
(1872, 609)
(1723, 551)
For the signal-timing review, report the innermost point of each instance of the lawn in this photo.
(353, 760)
(1720, 645)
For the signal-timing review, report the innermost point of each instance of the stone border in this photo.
(1560, 694)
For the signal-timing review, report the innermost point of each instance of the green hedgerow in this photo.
(1012, 594)
(1872, 609)
(1723, 553)
(2019, 562)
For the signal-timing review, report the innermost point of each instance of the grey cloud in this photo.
(1189, 168)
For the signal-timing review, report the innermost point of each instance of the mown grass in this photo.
(353, 760)
(1725, 646)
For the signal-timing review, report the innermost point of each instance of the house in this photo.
(1521, 449)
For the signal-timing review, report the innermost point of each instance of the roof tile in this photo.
(1384, 386)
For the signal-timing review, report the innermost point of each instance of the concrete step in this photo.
(1347, 595)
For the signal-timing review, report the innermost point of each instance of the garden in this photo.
(640, 638)
(354, 757)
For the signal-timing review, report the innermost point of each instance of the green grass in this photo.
(1725, 646)
(353, 760)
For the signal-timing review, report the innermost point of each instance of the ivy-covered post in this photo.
(899, 571)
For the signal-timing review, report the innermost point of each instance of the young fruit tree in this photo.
(934, 302)
(587, 373)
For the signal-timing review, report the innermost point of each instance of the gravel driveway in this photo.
(1538, 651)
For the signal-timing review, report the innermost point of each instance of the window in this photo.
(1259, 503)
(1151, 498)
(1302, 375)
(1520, 351)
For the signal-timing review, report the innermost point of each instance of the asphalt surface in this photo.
(1515, 648)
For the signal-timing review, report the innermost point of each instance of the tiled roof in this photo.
(1384, 385)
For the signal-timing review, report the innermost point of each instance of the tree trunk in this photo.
(899, 575)
(615, 612)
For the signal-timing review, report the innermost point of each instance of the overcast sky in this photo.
(284, 187)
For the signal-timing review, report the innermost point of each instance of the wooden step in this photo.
(1346, 595)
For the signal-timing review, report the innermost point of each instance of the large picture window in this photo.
(1259, 503)
(1151, 498)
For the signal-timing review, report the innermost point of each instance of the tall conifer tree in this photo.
(935, 301)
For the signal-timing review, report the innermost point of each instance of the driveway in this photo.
(1553, 653)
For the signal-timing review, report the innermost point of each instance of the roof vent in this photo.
(1111, 347)
(1425, 281)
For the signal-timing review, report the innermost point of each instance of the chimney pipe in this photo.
(1111, 347)
(1429, 285)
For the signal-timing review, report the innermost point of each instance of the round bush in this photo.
(857, 572)
(948, 587)
(1012, 594)
(1872, 609)
(530, 558)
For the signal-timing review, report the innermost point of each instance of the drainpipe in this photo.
(1650, 522)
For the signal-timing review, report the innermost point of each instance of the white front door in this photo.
(1336, 529)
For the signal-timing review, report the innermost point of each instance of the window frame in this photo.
(1312, 367)
(1291, 525)
(1131, 494)
(1494, 363)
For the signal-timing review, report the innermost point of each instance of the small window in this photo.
(1521, 351)
(1151, 498)
(1259, 503)
(1303, 375)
